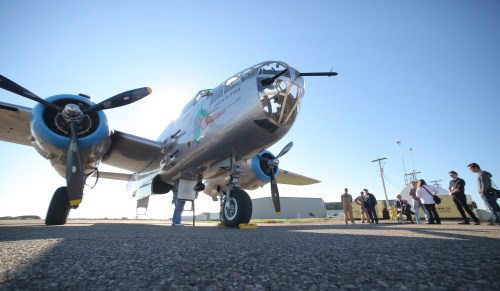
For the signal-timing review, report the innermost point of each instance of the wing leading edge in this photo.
(14, 123)
(290, 178)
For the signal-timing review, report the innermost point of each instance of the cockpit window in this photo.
(274, 68)
(280, 99)
(231, 83)
(248, 73)
(203, 93)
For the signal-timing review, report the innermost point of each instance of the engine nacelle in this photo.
(51, 137)
(259, 173)
(255, 173)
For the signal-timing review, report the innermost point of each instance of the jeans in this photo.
(491, 202)
(179, 207)
(416, 205)
(433, 215)
(372, 213)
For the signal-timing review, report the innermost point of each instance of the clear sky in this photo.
(425, 73)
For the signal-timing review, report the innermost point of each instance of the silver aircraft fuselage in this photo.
(239, 118)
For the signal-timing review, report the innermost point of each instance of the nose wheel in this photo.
(238, 209)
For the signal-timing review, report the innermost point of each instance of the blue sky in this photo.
(421, 72)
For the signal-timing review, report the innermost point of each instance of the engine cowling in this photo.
(256, 173)
(51, 135)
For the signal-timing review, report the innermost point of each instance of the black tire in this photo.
(240, 210)
(59, 207)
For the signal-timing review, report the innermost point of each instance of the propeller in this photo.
(19, 90)
(74, 167)
(271, 164)
(119, 100)
(73, 114)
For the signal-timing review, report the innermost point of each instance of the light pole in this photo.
(383, 184)
(402, 158)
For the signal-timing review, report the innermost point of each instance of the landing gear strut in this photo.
(236, 205)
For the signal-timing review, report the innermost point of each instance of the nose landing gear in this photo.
(236, 205)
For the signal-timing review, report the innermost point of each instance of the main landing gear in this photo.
(59, 208)
(236, 205)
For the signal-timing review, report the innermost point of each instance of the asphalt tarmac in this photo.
(152, 255)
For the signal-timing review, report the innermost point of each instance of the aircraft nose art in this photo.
(281, 99)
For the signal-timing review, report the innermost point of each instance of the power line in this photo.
(393, 183)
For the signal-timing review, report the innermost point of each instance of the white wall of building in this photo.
(291, 207)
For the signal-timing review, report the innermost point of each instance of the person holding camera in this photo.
(402, 207)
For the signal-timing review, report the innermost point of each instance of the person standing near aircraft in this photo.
(457, 192)
(179, 207)
(484, 189)
(360, 200)
(371, 202)
(425, 193)
(346, 199)
(417, 204)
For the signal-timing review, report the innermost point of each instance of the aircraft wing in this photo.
(14, 123)
(132, 153)
(129, 152)
(290, 178)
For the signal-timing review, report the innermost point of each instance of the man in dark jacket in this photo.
(370, 203)
(457, 192)
(485, 190)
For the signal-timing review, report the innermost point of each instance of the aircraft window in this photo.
(247, 74)
(231, 83)
(273, 69)
(203, 93)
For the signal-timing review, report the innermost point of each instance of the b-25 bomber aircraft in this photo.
(216, 146)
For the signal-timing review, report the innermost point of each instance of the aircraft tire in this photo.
(240, 211)
(59, 208)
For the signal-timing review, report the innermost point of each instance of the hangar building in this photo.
(291, 207)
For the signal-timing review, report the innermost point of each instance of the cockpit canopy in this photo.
(280, 99)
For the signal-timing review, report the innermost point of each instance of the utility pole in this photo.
(383, 183)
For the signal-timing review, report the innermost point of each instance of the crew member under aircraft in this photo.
(179, 207)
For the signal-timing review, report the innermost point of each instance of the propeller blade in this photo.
(15, 88)
(119, 100)
(74, 168)
(275, 194)
(285, 149)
